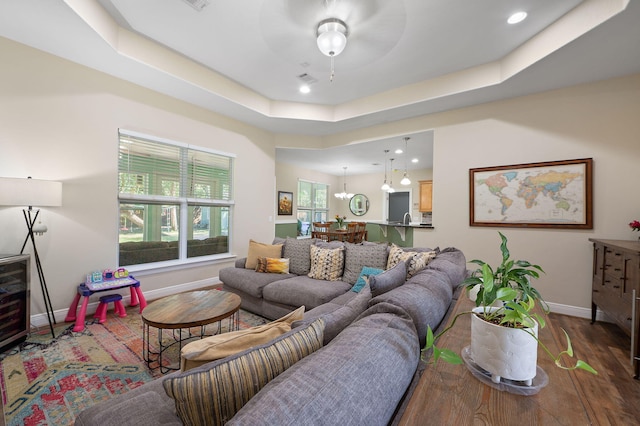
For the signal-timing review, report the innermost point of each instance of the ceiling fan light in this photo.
(332, 36)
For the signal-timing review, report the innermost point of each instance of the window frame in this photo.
(185, 202)
(313, 209)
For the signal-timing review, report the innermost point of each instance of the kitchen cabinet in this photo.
(426, 191)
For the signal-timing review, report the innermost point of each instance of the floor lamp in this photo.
(33, 192)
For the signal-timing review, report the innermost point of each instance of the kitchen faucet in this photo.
(406, 216)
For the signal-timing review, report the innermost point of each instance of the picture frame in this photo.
(285, 203)
(554, 194)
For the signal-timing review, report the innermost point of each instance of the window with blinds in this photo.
(175, 200)
(313, 205)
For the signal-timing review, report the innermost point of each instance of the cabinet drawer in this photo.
(614, 263)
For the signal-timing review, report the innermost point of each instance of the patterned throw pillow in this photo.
(416, 260)
(261, 265)
(326, 264)
(213, 394)
(365, 273)
(277, 266)
(397, 255)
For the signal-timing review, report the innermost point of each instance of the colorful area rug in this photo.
(48, 381)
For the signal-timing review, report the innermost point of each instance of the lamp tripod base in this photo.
(30, 221)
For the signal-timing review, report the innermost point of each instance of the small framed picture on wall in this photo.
(285, 203)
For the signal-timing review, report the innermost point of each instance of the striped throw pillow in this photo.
(214, 393)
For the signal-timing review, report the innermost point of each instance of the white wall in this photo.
(59, 121)
(598, 121)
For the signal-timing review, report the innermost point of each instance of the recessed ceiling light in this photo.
(305, 89)
(398, 151)
(517, 17)
(414, 160)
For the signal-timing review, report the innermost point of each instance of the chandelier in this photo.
(344, 195)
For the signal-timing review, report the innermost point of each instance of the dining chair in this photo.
(361, 231)
(321, 231)
(352, 232)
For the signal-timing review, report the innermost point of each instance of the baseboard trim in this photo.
(40, 320)
(576, 311)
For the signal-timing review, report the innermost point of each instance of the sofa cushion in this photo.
(338, 313)
(302, 290)
(223, 345)
(425, 297)
(326, 264)
(257, 250)
(147, 409)
(358, 256)
(248, 281)
(299, 254)
(388, 280)
(214, 392)
(366, 272)
(451, 262)
(358, 378)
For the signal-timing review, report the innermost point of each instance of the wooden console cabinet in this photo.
(14, 299)
(616, 288)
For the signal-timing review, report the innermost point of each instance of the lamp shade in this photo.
(30, 192)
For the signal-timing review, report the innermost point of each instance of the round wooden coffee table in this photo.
(183, 311)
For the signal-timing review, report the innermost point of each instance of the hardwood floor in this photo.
(613, 396)
(449, 394)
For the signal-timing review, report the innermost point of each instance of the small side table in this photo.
(183, 311)
(137, 298)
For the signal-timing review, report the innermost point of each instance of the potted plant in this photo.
(505, 302)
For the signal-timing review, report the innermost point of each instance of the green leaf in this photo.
(449, 356)
(584, 366)
(430, 339)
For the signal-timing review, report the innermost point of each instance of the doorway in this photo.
(399, 204)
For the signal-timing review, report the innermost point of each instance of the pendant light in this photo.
(385, 186)
(344, 195)
(405, 179)
(391, 190)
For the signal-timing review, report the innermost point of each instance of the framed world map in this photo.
(556, 194)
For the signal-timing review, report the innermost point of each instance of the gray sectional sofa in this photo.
(361, 370)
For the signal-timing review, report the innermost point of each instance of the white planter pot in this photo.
(509, 353)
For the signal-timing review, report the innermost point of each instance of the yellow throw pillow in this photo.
(326, 264)
(257, 250)
(223, 345)
(212, 396)
(277, 266)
